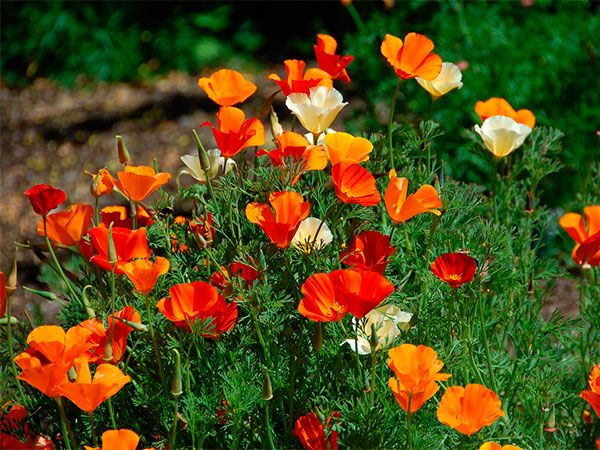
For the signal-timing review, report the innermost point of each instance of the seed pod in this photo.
(122, 151)
(202, 153)
(267, 393)
(176, 385)
(112, 251)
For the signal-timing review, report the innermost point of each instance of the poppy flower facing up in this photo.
(234, 133)
(297, 81)
(449, 78)
(502, 135)
(369, 250)
(355, 184)
(67, 227)
(143, 273)
(587, 249)
(401, 208)
(227, 87)
(290, 209)
(128, 245)
(311, 433)
(496, 106)
(468, 409)
(496, 446)
(138, 182)
(119, 217)
(44, 198)
(199, 302)
(455, 269)
(347, 149)
(122, 439)
(416, 370)
(316, 110)
(592, 395)
(413, 57)
(328, 297)
(334, 65)
(312, 234)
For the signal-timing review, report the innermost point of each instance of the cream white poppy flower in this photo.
(449, 78)
(306, 239)
(502, 135)
(388, 321)
(318, 110)
(215, 160)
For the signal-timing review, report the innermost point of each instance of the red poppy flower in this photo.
(234, 133)
(199, 301)
(44, 198)
(223, 278)
(401, 208)
(413, 57)
(329, 296)
(67, 227)
(354, 184)
(290, 209)
(311, 433)
(587, 249)
(592, 395)
(369, 250)
(128, 245)
(298, 82)
(455, 269)
(334, 65)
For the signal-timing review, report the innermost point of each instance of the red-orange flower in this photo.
(369, 250)
(102, 183)
(227, 87)
(413, 57)
(468, 409)
(587, 249)
(128, 245)
(67, 227)
(89, 392)
(496, 106)
(143, 273)
(311, 433)
(15, 433)
(44, 198)
(329, 296)
(138, 182)
(223, 278)
(401, 208)
(296, 81)
(334, 65)
(290, 209)
(234, 133)
(455, 269)
(119, 217)
(354, 184)
(416, 370)
(199, 301)
(592, 395)
(118, 330)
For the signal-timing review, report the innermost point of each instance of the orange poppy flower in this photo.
(496, 106)
(234, 133)
(15, 433)
(413, 57)
(143, 273)
(128, 245)
(455, 269)
(311, 433)
(122, 439)
(102, 183)
(227, 87)
(119, 331)
(354, 184)
(587, 249)
(138, 182)
(592, 395)
(89, 392)
(347, 149)
(2, 294)
(334, 65)
(468, 409)
(67, 227)
(496, 446)
(401, 208)
(416, 370)
(369, 250)
(329, 296)
(44, 198)
(119, 217)
(199, 301)
(290, 209)
(298, 82)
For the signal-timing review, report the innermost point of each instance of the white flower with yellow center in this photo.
(502, 135)
(318, 110)
(449, 78)
(312, 234)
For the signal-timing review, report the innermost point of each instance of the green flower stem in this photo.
(96, 213)
(55, 259)
(268, 427)
(11, 355)
(374, 355)
(494, 188)
(154, 342)
(93, 430)
(67, 432)
(409, 424)
(260, 337)
(450, 314)
(391, 122)
(356, 18)
(111, 413)
(486, 346)
(173, 431)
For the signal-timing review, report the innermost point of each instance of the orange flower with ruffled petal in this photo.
(413, 57)
(67, 227)
(234, 133)
(298, 82)
(199, 302)
(334, 65)
(355, 184)
(496, 106)
(401, 208)
(455, 269)
(143, 273)
(592, 395)
(89, 392)
(587, 249)
(290, 209)
(369, 250)
(122, 439)
(347, 149)
(468, 409)
(138, 182)
(102, 183)
(129, 244)
(416, 370)
(227, 87)
(496, 446)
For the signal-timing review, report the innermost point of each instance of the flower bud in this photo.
(112, 251)
(86, 302)
(122, 151)
(176, 386)
(72, 374)
(267, 388)
(202, 153)
(108, 352)
(276, 127)
(11, 280)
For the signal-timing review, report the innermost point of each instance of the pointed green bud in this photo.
(11, 280)
(112, 252)
(86, 302)
(9, 320)
(108, 352)
(202, 153)
(373, 339)
(267, 393)
(72, 374)
(122, 151)
(176, 386)
(134, 325)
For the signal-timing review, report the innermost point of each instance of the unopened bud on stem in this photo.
(267, 393)
(122, 151)
(176, 386)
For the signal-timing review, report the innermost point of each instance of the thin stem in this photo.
(373, 374)
(93, 430)
(486, 346)
(153, 337)
(111, 413)
(494, 187)
(66, 427)
(173, 432)
(96, 214)
(268, 427)
(450, 314)
(409, 424)
(11, 354)
(356, 18)
(58, 266)
(391, 122)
